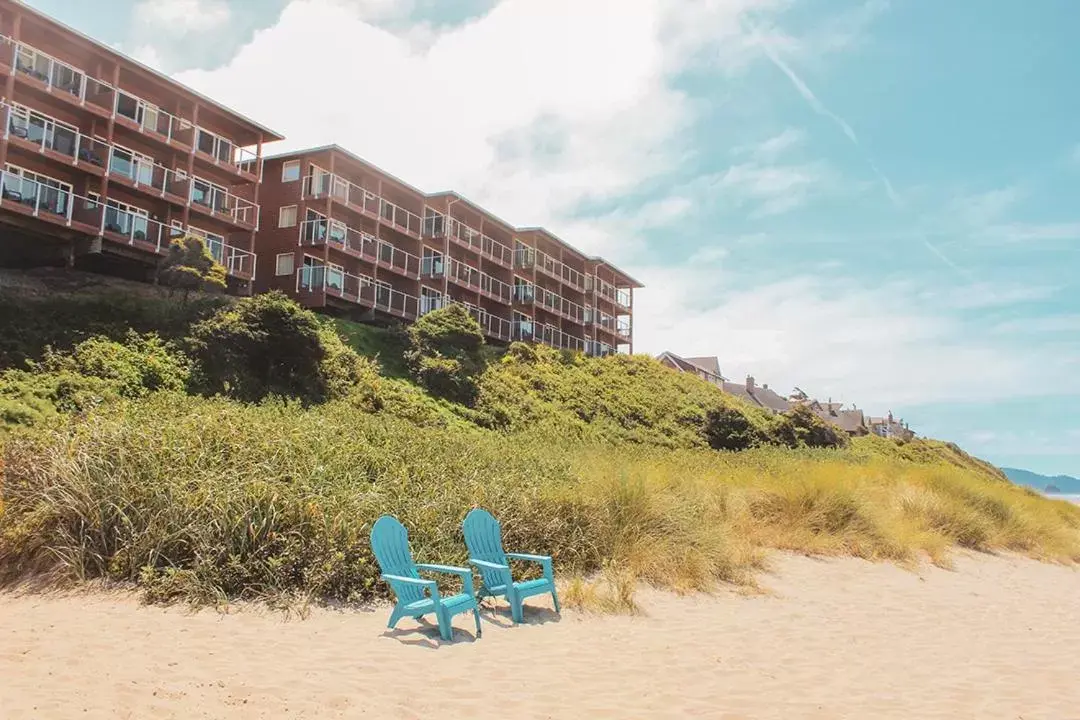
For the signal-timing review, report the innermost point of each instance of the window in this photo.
(290, 171)
(284, 264)
(208, 194)
(134, 166)
(287, 216)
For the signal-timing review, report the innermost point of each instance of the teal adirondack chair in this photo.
(416, 596)
(483, 537)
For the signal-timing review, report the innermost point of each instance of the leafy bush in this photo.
(446, 353)
(268, 345)
(31, 325)
(800, 427)
(98, 370)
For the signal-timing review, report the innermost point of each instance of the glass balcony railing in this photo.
(58, 204)
(495, 288)
(437, 225)
(28, 126)
(359, 289)
(218, 201)
(324, 184)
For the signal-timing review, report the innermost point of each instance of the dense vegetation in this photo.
(221, 449)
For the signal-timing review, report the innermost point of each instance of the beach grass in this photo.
(205, 499)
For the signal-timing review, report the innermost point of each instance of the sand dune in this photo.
(836, 639)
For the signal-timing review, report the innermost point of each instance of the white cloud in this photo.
(531, 109)
(164, 30)
(181, 16)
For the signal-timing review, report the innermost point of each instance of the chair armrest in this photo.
(465, 573)
(429, 584)
(543, 559)
(487, 565)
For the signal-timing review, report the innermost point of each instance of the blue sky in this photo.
(872, 200)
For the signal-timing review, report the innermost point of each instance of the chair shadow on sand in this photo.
(426, 633)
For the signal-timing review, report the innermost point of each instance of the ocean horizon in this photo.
(1070, 497)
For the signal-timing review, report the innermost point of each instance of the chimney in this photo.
(890, 417)
(749, 383)
(765, 386)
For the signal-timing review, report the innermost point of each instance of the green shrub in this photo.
(268, 345)
(800, 427)
(29, 326)
(96, 371)
(446, 353)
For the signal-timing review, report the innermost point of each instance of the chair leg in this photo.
(476, 616)
(555, 599)
(516, 610)
(446, 630)
(396, 615)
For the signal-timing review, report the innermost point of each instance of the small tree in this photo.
(446, 353)
(189, 266)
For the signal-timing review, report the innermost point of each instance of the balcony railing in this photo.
(40, 130)
(560, 305)
(526, 257)
(492, 325)
(359, 289)
(221, 202)
(356, 242)
(622, 329)
(64, 80)
(437, 225)
(462, 274)
(494, 288)
(94, 217)
(326, 184)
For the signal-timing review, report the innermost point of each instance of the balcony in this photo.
(89, 216)
(365, 202)
(527, 257)
(359, 289)
(463, 274)
(58, 79)
(221, 204)
(360, 244)
(39, 133)
(495, 289)
(532, 331)
(523, 294)
(560, 306)
(438, 226)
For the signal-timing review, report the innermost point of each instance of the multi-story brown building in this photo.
(341, 234)
(104, 160)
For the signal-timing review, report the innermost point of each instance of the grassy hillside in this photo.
(163, 462)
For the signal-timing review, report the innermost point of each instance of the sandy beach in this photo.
(996, 638)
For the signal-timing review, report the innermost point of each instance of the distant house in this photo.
(852, 421)
(706, 368)
(761, 395)
(889, 427)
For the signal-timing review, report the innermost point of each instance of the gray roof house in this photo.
(706, 368)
